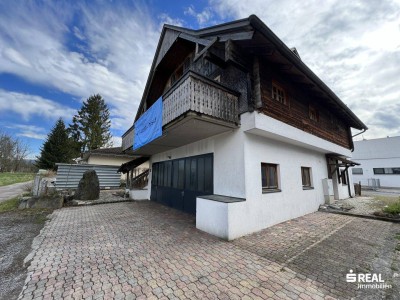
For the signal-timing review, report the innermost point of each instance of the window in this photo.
(357, 171)
(306, 177)
(269, 177)
(343, 177)
(389, 171)
(313, 113)
(278, 93)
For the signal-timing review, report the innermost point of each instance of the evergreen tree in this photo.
(90, 128)
(56, 148)
(75, 136)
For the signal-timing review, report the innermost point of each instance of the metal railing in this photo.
(196, 93)
(374, 183)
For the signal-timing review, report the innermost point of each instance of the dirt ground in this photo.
(17, 230)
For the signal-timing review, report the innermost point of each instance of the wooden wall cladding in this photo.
(296, 112)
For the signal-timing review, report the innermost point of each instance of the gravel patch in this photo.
(17, 231)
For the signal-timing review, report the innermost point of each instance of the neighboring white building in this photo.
(247, 135)
(378, 159)
(113, 156)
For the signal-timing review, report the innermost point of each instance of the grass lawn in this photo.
(11, 178)
(382, 202)
(9, 205)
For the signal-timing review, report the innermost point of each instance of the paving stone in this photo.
(142, 250)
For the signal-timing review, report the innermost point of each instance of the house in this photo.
(379, 159)
(113, 156)
(238, 130)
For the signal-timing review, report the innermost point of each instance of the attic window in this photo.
(313, 113)
(278, 93)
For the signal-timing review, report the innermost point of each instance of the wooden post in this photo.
(130, 181)
(257, 83)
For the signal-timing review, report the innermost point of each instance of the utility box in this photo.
(327, 187)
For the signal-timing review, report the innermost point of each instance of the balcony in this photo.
(194, 108)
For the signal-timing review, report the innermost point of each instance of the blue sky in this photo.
(55, 54)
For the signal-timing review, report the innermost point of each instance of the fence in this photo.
(68, 176)
(374, 183)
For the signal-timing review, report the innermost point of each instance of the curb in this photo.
(101, 202)
(362, 216)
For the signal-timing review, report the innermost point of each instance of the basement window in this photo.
(306, 178)
(278, 93)
(269, 178)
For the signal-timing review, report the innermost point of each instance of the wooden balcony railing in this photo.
(195, 93)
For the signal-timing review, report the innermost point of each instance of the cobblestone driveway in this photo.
(145, 250)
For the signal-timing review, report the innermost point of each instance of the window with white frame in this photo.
(278, 93)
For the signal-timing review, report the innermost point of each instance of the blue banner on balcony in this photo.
(149, 125)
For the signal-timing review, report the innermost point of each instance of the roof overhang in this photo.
(340, 161)
(188, 128)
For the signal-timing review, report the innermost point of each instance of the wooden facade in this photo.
(227, 70)
(301, 109)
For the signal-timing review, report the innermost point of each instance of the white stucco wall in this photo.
(111, 161)
(263, 210)
(237, 173)
(377, 153)
(137, 194)
(212, 217)
(105, 160)
(228, 150)
(285, 146)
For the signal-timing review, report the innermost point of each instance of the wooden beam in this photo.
(239, 36)
(234, 54)
(256, 83)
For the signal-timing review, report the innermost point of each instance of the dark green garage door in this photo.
(177, 183)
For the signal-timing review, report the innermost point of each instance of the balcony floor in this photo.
(185, 130)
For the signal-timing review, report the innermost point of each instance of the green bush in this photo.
(393, 208)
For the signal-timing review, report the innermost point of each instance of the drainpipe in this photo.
(364, 130)
(348, 181)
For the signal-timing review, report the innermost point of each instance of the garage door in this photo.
(177, 183)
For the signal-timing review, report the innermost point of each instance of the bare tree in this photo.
(13, 153)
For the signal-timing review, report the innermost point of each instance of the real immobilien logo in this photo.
(367, 280)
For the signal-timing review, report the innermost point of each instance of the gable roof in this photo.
(244, 31)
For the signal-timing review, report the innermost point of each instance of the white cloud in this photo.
(166, 19)
(111, 54)
(30, 131)
(31, 106)
(116, 141)
(203, 18)
(354, 47)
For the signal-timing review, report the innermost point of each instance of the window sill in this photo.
(305, 188)
(269, 191)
